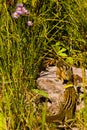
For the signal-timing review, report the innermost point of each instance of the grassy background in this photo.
(59, 29)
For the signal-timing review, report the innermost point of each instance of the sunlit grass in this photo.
(23, 50)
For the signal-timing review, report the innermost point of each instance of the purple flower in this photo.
(15, 15)
(29, 23)
(19, 10)
(24, 10)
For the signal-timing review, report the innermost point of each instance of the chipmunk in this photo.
(64, 72)
(67, 111)
(77, 79)
(67, 107)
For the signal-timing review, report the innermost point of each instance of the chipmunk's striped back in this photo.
(68, 105)
(70, 102)
(67, 109)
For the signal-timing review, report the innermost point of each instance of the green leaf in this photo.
(69, 60)
(62, 54)
(62, 50)
(40, 92)
(59, 50)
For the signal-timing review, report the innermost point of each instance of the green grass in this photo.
(23, 50)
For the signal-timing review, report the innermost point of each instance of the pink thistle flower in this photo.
(19, 10)
(24, 10)
(15, 15)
